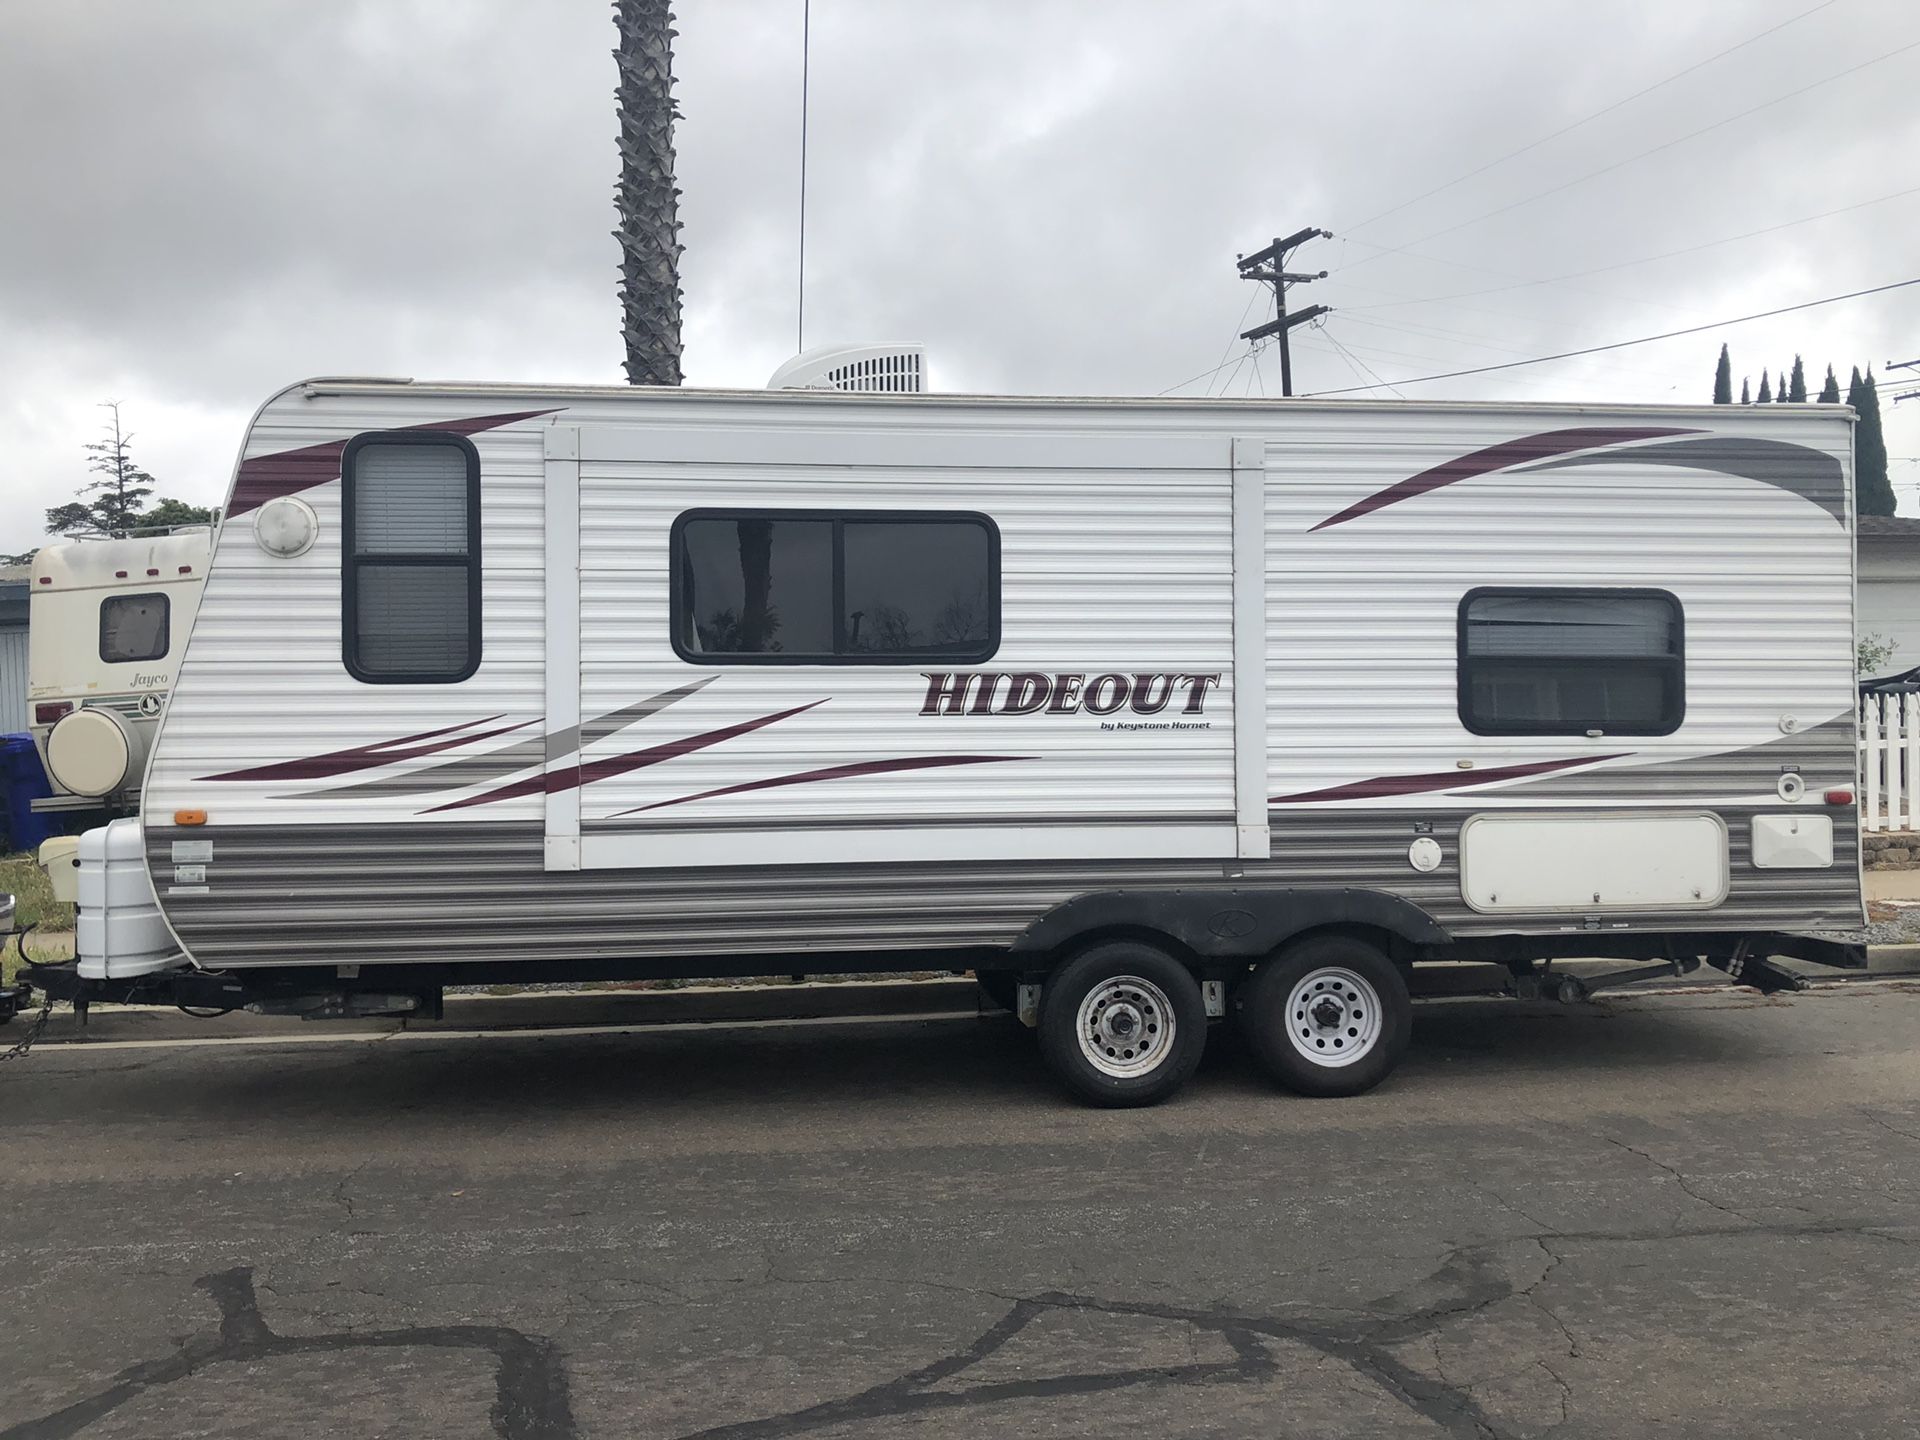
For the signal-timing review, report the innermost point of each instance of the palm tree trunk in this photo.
(647, 199)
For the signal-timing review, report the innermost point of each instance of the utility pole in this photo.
(1276, 274)
(1905, 365)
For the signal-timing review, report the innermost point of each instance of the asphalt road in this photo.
(1674, 1215)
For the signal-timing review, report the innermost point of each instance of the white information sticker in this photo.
(192, 852)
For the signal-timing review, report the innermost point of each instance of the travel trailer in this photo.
(107, 620)
(1149, 712)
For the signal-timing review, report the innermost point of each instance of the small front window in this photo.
(133, 627)
(1570, 662)
(411, 571)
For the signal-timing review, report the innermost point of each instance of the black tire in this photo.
(1002, 987)
(1262, 1004)
(1162, 1011)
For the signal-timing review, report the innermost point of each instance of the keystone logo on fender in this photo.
(1028, 692)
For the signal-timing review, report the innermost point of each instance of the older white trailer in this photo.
(108, 620)
(1144, 710)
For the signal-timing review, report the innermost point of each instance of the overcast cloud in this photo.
(203, 201)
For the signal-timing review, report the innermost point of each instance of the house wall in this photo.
(1889, 596)
(13, 656)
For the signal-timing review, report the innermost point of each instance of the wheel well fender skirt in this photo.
(1227, 920)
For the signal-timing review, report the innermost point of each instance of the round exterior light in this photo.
(285, 527)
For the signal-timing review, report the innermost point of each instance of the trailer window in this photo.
(1565, 662)
(410, 606)
(133, 627)
(826, 587)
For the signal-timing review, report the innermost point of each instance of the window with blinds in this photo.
(1571, 662)
(410, 607)
(133, 627)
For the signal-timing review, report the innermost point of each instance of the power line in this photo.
(1643, 260)
(1629, 160)
(1353, 359)
(1252, 300)
(1642, 340)
(1587, 119)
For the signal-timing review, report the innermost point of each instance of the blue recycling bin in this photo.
(22, 781)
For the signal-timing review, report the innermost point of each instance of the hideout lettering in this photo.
(1029, 692)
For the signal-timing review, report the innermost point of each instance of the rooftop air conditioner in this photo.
(884, 369)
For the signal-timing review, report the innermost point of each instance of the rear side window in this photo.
(133, 627)
(835, 587)
(410, 609)
(1567, 661)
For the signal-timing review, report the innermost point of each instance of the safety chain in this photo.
(34, 1031)
(39, 1025)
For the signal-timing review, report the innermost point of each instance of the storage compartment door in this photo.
(1591, 863)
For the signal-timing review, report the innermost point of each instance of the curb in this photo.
(1890, 960)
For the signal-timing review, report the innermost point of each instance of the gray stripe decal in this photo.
(889, 822)
(1825, 752)
(1813, 475)
(521, 755)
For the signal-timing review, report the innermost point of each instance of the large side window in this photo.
(831, 587)
(411, 564)
(133, 627)
(1570, 661)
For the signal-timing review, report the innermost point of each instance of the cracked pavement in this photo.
(1674, 1215)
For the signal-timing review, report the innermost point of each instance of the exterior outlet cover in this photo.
(1424, 854)
(1792, 842)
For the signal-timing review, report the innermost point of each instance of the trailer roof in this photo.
(661, 394)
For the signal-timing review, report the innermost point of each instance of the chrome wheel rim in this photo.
(1333, 1016)
(1125, 1026)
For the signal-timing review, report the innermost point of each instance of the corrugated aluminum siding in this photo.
(13, 679)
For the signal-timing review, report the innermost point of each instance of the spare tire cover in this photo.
(90, 753)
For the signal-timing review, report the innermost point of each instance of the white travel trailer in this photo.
(107, 620)
(1144, 710)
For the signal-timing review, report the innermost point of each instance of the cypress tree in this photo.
(1723, 379)
(1746, 392)
(1872, 490)
(1766, 389)
(1797, 386)
(1830, 392)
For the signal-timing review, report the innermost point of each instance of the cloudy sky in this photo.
(204, 200)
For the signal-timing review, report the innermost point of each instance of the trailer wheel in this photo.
(1123, 1024)
(1330, 1016)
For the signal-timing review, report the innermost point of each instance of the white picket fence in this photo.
(1890, 762)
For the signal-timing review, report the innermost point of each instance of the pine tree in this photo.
(1723, 379)
(1873, 492)
(1830, 392)
(1797, 386)
(1746, 392)
(1766, 389)
(110, 503)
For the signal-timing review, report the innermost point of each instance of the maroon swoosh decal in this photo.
(287, 472)
(1499, 457)
(1446, 780)
(365, 757)
(831, 772)
(554, 781)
